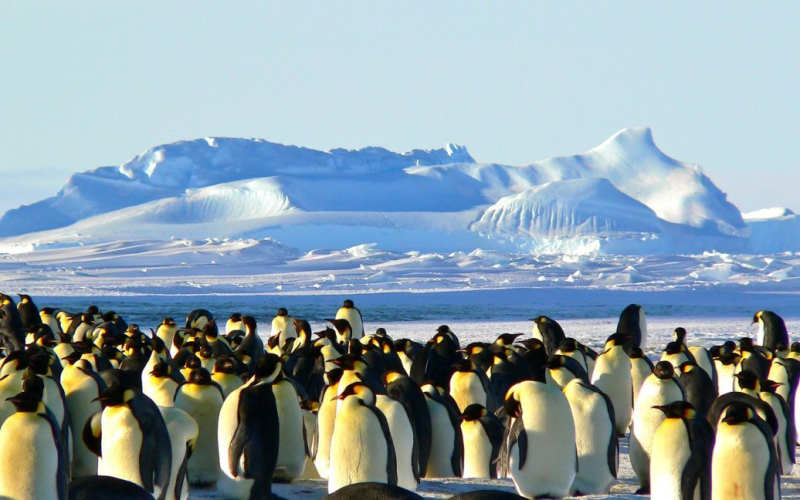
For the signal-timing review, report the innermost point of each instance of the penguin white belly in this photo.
(354, 318)
(227, 485)
(760, 335)
(182, 429)
(612, 375)
(703, 361)
(121, 444)
(80, 390)
(779, 374)
(466, 388)
(725, 377)
(559, 377)
(640, 370)
(228, 382)
(646, 420)
(291, 447)
(443, 438)
(668, 459)
(643, 328)
(477, 450)
(310, 424)
(160, 390)
(782, 446)
(403, 439)
(536, 334)
(593, 432)
(326, 417)
(549, 468)
(28, 458)
(739, 463)
(358, 449)
(283, 326)
(203, 404)
(406, 361)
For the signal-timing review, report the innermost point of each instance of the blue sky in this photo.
(87, 84)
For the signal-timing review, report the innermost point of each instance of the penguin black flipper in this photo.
(62, 475)
(774, 465)
(391, 460)
(613, 444)
(516, 435)
(155, 459)
(494, 431)
(92, 436)
(257, 408)
(698, 468)
(180, 479)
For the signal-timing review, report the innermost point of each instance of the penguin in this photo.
(700, 390)
(131, 439)
(234, 324)
(612, 375)
(31, 452)
(310, 409)
(404, 390)
(562, 369)
(676, 354)
(407, 350)
(572, 349)
(217, 344)
(82, 387)
(225, 376)
(248, 434)
(47, 316)
(53, 397)
(786, 372)
(447, 447)
(166, 331)
(361, 431)
(786, 437)
(160, 354)
(28, 312)
(435, 361)
(660, 389)
(470, 386)
(283, 326)
(291, 448)
(405, 446)
(535, 358)
(641, 368)
(633, 322)
(183, 432)
(744, 463)
(754, 359)
(352, 314)
(482, 433)
(680, 459)
(326, 419)
(549, 332)
(104, 487)
(726, 365)
(597, 443)
(701, 355)
(251, 348)
(202, 398)
(771, 330)
(159, 385)
(539, 452)
(198, 318)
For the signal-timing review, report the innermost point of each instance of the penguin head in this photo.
(636, 353)
(392, 376)
(673, 348)
(617, 340)
(512, 404)
(169, 322)
(348, 304)
(474, 348)
(532, 344)
(93, 311)
(342, 326)
(473, 412)
(225, 364)
(24, 299)
(268, 367)
(160, 370)
(769, 386)
(193, 362)
(433, 388)
(40, 364)
(72, 357)
(747, 380)
(205, 352)
(507, 339)
(115, 395)
(678, 409)
(26, 402)
(15, 361)
(555, 362)
(235, 317)
(351, 362)
(380, 332)
(568, 345)
(359, 390)
(687, 367)
(334, 376)
(663, 370)
(746, 344)
(158, 345)
(738, 413)
(464, 365)
(200, 376)
(679, 335)
(757, 317)
(283, 312)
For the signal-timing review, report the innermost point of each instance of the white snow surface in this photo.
(623, 197)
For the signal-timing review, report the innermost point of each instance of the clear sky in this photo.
(85, 84)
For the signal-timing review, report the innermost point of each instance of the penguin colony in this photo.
(92, 407)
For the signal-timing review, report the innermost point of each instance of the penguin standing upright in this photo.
(404, 390)
(326, 420)
(248, 434)
(700, 390)
(82, 386)
(744, 464)
(131, 439)
(283, 326)
(183, 432)
(225, 375)
(166, 331)
(680, 459)
(160, 385)
(202, 399)
(470, 386)
(482, 433)
(31, 455)
(361, 431)
(597, 443)
(786, 437)
(447, 447)
(251, 348)
(612, 375)
(405, 446)
(28, 312)
(633, 322)
(771, 330)
(661, 388)
(352, 314)
(641, 368)
(539, 451)
(549, 332)
(291, 447)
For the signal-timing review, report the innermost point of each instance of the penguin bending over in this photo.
(771, 330)
(549, 332)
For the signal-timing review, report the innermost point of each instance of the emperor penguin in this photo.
(361, 431)
(53, 397)
(660, 389)
(166, 331)
(447, 447)
(352, 314)
(47, 315)
(771, 330)
(248, 433)
(700, 390)
(344, 332)
(597, 443)
(405, 446)
(407, 392)
(326, 420)
(82, 387)
(251, 348)
(468, 386)
(202, 399)
(234, 324)
(31, 452)
(562, 369)
(786, 437)
(633, 322)
(539, 453)
(612, 375)
(641, 368)
(225, 375)
(726, 364)
(28, 312)
(183, 432)
(159, 384)
(131, 439)
(701, 355)
(406, 350)
(198, 318)
(291, 448)
(283, 326)
(680, 460)
(549, 332)
(745, 463)
(482, 433)
(677, 354)
(572, 349)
